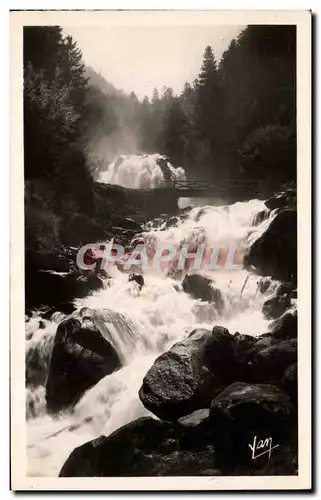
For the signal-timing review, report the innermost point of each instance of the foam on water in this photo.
(142, 325)
(141, 171)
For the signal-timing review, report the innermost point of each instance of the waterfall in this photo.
(141, 171)
(142, 325)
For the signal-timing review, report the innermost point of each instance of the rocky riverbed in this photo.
(212, 398)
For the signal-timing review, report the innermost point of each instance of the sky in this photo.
(140, 58)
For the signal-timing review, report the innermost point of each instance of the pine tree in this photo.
(54, 98)
(258, 75)
(208, 112)
(155, 97)
(173, 136)
(208, 70)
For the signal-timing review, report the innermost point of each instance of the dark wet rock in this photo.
(274, 253)
(283, 462)
(172, 222)
(130, 223)
(286, 288)
(58, 261)
(138, 278)
(81, 356)
(196, 429)
(274, 308)
(290, 381)
(204, 443)
(201, 287)
(219, 355)
(279, 201)
(285, 327)
(145, 447)
(162, 162)
(264, 284)
(263, 341)
(269, 364)
(245, 411)
(196, 419)
(46, 288)
(192, 372)
(285, 199)
(173, 386)
(242, 346)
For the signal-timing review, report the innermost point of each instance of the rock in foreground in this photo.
(244, 414)
(192, 372)
(269, 363)
(274, 253)
(145, 447)
(81, 356)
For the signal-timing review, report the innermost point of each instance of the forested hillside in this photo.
(236, 120)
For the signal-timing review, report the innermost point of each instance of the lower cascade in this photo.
(140, 323)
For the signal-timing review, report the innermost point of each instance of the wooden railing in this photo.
(206, 186)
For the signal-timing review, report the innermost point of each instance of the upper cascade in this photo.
(145, 171)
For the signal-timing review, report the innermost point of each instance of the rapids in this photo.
(142, 325)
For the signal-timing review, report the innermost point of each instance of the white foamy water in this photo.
(141, 171)
(142, 325)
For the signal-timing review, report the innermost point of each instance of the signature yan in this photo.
(258, 446)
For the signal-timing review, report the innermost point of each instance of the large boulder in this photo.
(201, 287)
(244, 414)
(81, 356)
(173, 386)
(269, 363)
(276, 306)
(282, 200)
(192, 372)
(145, 447)
(276, 202)
(283, 299)
(285, 327)
(274, 253)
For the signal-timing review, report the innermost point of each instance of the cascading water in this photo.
(142, 325)
(141, 171)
